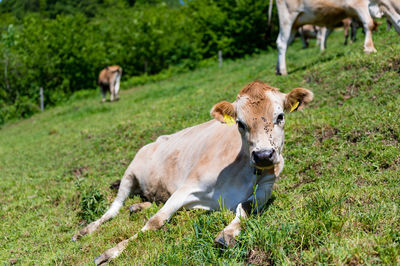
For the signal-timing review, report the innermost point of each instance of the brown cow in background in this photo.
(109, 79)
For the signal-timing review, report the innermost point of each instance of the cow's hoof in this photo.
(225, 240)
(111, 253)
(102, 259)
(76, 237)
(79, 234)
(134, 208)
(370, 50)
(281, 73)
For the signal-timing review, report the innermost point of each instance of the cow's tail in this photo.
(271, 3)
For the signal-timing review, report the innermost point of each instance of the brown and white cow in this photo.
(350, 26)
(214, 164)
(309, 31)
(326, 13)
(109, 80)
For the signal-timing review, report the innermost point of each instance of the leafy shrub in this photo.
(63, 52)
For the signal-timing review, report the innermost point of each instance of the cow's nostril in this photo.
(263, 157)
(255, 156)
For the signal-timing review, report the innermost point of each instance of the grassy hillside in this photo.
(338, 199)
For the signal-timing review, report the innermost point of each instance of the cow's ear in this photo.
(297, 99)
(223, 111)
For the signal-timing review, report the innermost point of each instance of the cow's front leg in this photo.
(285, 34)
(227, 236)
(324, 36)
(116, 87)
(178, 199)
(103, 93)
(368, 25)
(304, 40)
(286, 30)
(112, 88)
(353, 34)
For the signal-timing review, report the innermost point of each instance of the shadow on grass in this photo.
(319, 60)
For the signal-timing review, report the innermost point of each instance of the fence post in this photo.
(41, 99)
(220, 58)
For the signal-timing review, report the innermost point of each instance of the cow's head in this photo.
(259, 115)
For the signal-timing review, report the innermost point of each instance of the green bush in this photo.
(62, 49)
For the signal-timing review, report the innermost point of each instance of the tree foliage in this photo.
(62, 45)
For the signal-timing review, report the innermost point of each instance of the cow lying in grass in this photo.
(214, 164)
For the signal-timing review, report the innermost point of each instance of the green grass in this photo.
(337, 202)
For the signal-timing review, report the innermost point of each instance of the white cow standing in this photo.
(328, 13)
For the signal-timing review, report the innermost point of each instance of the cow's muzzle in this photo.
(263, 158)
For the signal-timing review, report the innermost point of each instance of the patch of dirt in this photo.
(317, 167)
(392, 135)
(325, 133)
(361, 182)
(259, 257)
(392, 65)
(355, 136)
(314, 77)
(53, 132)
(85, 134)
(115, 185)
(351, 91)
(384, 166)
(302, 181)
(80, 171)
(396, 163)
(354, 260)
(352, 200)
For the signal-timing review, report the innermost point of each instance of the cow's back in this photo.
(322, 12)
(104, 77)
(171, 161)
(107, 73)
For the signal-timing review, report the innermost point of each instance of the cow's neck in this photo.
(262, 172)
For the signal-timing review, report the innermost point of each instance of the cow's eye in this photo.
(240, 125)
(280, 118)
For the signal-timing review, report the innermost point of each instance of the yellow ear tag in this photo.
(294, 106)
(229, 120)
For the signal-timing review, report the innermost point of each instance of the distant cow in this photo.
(109, 80)
(350, 26)
(309, 31)
(328, 13)
(231, 161)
